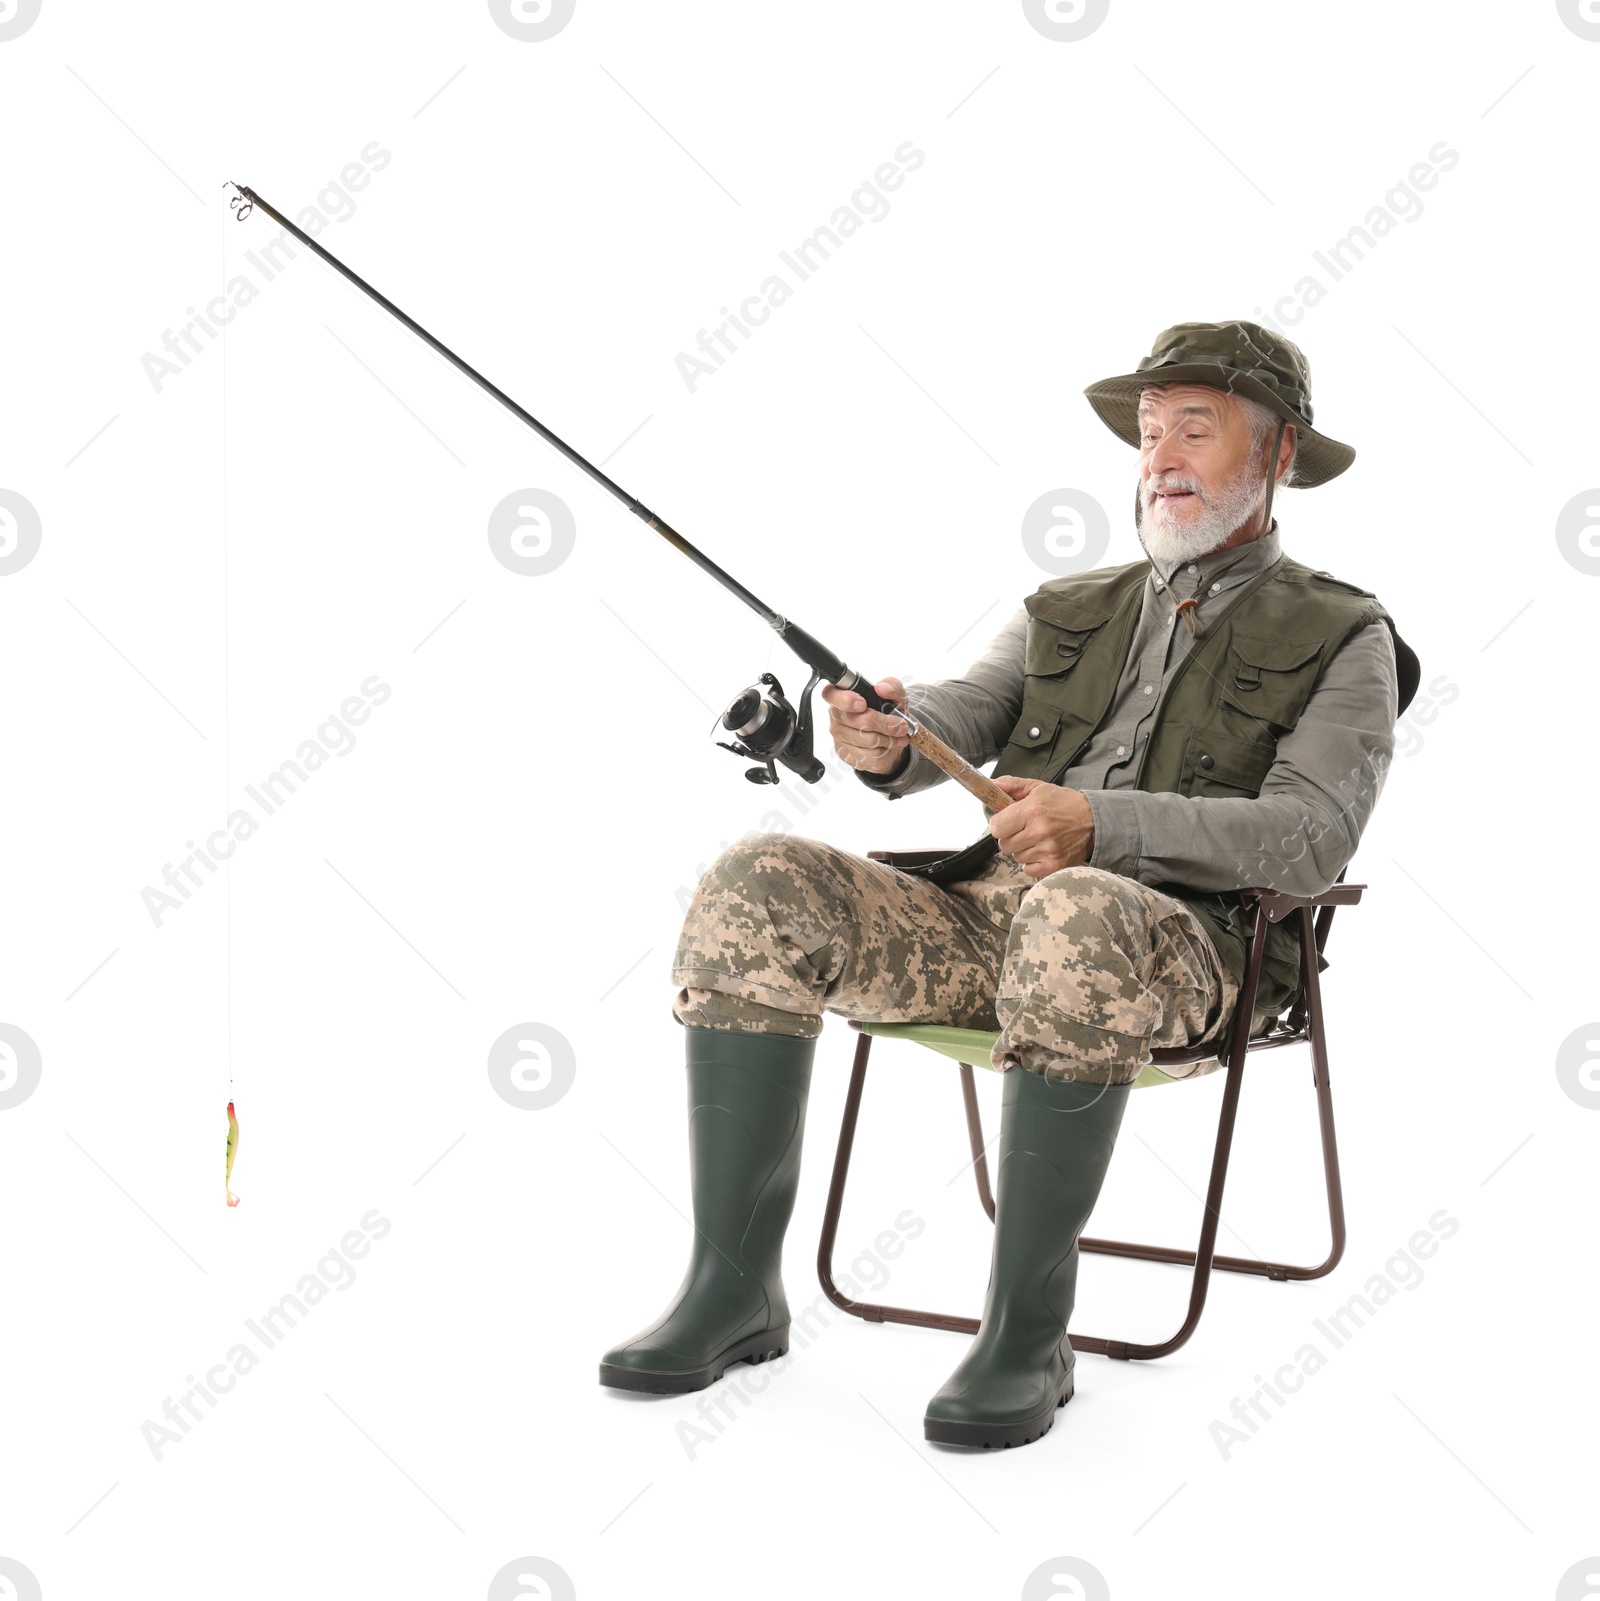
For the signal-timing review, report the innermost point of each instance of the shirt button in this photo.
(1215, 588)
(1159, 586)
(1191, 568)
(1169, 622)
(1122, 750)
(1033, 733)
(1149, 689)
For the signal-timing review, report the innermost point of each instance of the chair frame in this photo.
(1303, 1024)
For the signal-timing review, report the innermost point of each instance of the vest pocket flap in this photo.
(1278, 655)
(1216, 764)
(1037, 725)
(1268, 678)
(1058, 629)
(1067, 611)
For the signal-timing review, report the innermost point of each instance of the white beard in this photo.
(1169, 545)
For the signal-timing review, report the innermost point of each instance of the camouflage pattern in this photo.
(1082, 971)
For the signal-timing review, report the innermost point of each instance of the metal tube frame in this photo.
(1304, 1024)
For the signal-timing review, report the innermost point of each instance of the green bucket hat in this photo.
(1241, 358)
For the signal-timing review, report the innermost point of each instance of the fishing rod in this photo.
(765, 730)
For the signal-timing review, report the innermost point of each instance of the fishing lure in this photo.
(233, 1146)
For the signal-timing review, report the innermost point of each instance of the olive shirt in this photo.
(1314, 803)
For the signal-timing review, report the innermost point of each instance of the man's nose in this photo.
(1164, 457)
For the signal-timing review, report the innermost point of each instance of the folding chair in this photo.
(1304, 1023)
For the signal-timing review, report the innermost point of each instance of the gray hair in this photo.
(1263, 422)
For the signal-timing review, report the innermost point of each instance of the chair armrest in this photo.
(1278, 905)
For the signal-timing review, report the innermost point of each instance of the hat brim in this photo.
(1116, 402)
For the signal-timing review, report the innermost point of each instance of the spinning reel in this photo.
(772, 731)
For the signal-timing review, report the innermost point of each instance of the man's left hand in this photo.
(1046, 827)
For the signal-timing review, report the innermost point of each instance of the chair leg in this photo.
(1203, 1258)
(1280, 1271)
(1203, 1255)
(980, 1159)
(1312, 982)
(841, 1171)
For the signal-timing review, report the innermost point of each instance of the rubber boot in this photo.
(747, 1111)
(1055, 1145)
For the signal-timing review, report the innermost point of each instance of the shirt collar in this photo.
(1251, 559)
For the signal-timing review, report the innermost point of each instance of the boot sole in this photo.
(996, 1436)
(760, 1348)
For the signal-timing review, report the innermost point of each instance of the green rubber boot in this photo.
(747, 1113)
(1055, 1145)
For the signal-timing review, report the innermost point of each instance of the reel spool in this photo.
(768, 730)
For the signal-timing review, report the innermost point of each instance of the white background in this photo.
(305, 504)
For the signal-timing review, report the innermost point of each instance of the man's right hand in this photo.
(871, 742)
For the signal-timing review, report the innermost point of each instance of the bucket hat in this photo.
(1242, 358)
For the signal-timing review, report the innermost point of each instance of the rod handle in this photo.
(961, 770)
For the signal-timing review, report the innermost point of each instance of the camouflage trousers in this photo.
(1082, 971)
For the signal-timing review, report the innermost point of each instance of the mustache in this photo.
(1169, 481)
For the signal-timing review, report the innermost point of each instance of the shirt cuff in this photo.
(894, 788)
(1117, 839)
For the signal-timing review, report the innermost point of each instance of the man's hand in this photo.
(871, 742)
(1045, 828)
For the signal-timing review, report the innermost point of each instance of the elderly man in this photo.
(1172, 730)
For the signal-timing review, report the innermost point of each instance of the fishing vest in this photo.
(1242, 686)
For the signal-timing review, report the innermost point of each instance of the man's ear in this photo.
(1291, 436)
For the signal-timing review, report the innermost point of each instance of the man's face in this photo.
(1199, 481)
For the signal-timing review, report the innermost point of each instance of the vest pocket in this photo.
(1053, 649)
(1036, 727)
(1268, 679)
(1219, 765)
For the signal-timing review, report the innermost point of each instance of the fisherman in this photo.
(1213, 717)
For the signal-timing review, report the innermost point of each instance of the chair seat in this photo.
(974, 1046)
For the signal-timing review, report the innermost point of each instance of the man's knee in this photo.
(1090, 909)
(769, 923)
(755, 862)
(1083, 888)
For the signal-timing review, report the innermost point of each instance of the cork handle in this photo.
(961, 770)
